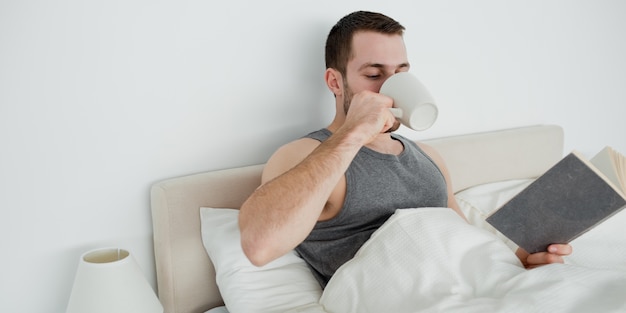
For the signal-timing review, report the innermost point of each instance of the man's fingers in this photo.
(560, 249)
(543, 258)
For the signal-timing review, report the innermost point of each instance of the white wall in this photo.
(100, 99)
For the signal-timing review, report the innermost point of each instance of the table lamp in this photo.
(110, 280)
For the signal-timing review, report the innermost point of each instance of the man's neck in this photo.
(383, 143)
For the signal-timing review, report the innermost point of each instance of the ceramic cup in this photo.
(413, 105)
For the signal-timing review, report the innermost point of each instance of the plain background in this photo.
(100, 99)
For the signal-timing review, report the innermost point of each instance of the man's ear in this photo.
(334, 81)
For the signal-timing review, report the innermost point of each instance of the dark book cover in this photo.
(565, 202)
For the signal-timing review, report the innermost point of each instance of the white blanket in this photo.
(430, 260)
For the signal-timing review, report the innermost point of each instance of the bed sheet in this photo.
(430, 260)
(459, 277)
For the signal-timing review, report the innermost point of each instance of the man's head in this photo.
(362, 50)
(339, 41)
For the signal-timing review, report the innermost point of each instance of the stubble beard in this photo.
(348, 95)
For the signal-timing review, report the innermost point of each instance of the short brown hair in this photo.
(339, 41)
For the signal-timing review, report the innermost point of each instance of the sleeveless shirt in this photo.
(376, 185)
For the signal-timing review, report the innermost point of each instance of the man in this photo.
(326, 193)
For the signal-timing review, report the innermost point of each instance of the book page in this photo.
(620, 165)
(611, 164)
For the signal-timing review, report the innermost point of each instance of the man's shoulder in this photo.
(288, 156)
(304, 145)
(320, 134)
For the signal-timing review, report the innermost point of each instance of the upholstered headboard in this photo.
(185, 274)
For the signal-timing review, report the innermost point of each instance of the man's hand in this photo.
(369, 113)
(555, 254)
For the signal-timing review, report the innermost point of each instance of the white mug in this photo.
(412, 103)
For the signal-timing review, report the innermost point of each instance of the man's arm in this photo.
(281, 213)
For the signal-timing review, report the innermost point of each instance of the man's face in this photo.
(375, 57)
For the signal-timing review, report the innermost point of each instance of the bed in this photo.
(200, 266)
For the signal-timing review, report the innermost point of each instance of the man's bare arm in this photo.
(281, 213)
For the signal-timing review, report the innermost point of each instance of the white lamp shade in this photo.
(110, 280)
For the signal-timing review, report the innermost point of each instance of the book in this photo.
(570, 198)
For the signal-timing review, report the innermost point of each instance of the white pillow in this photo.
(284, 285)
(478, 202)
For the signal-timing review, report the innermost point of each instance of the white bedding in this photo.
(423, 260)
(430, 260)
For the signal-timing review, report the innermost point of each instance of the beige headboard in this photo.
(185, 275)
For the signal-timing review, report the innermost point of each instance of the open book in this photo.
(569, 199)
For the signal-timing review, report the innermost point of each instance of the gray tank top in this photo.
(377, 185)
